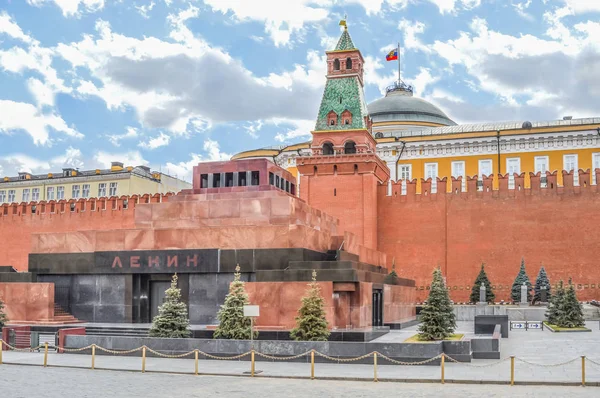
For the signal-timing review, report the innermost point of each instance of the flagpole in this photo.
(399, 77)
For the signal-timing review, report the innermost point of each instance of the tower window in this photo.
(332, 122)
(348, 64)
(340, 100)
(328, 148)
(346, 121)
(336, 64)
(332, 118)
(350, 147)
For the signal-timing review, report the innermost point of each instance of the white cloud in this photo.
(145, 9)
(422, 81)
(411, 30)
(9, 27)
(301, 129)
(19, 116)
(12, 164)
(583, 6)
(184, 169)
(281, 18)
(521, 8)
(161, 140)
(70, 8)
(130, 132)
(252, 128)
(129, 158)
(438, 93)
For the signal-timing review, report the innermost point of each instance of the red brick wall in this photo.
(554, 227)
(17, 222)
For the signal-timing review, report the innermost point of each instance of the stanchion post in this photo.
(512, 370)
(196, 362)
(583, 370)
(1, 348)
(143, 359)
(93, 356)
(312, 364)
(45, 354)
(252, 364)
(375, 367)
(442, 368)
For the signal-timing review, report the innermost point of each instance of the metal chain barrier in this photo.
(344, 359)
(170, 356)
(281, 358)
(117, 352)
(78, 349)
(23, 349)
(408, 363)
(592, 361)
(487, 365)
(225, 358)
(545, 365)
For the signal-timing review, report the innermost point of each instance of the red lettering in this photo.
(134, 261)
(172, 261)
(153, 260)
(117, 261)
(193, 259)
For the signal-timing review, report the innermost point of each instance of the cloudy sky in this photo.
(169, 83)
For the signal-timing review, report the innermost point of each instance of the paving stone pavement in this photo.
(17, 381)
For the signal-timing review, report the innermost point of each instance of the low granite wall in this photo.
(406, 352)
(515, 313)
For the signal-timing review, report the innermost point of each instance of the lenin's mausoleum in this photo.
(393, 185)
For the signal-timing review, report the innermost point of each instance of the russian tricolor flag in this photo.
(392, 55)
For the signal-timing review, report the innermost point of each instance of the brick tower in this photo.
(342, 175)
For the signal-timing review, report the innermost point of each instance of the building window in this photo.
(348, 63)
(60, 193)
(35, 194)
(11, 195)
(25, 195)
(113, 189)
(332, 118)
(595, 165)
(271, 178)
(277, 181)
(287, 186)
(254, 178)
(228, 179)
(216, 180)
(336, 64)
(350, 147)
(542, 166)
(50, 193)
(328, 148)
(101, 190)
(204, 181)
(242, 179)
(570, 164)
(75, 192)
(513, 165)
(2, 196)
(431, 171)
(405, 175)
(85, 191)
(458, 170)
(485, 169)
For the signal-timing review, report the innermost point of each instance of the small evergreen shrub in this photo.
(172, 319)
(311, 324)
(232, 322)
(482, 279)
(437, 316)
(516, 287)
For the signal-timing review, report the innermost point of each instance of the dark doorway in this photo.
(62, 297)
(157, 296)
(377, 307)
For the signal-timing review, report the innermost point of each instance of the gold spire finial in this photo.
(343, 22)
(314, 275)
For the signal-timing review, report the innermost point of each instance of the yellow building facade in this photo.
(75, 184)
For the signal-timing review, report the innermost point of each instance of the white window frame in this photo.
(75, 189)
(85, 191)
(2, 196)
(112, 189)
(511, 176)
(35, 194)
(12, 196)
(60, 192)
(543, 178)
(433, 178)
(575, 168)
(50, 193)
(595, 165)
(405, 173)
(463, 175)
(102, 190)
(480, 174)
(25, 195)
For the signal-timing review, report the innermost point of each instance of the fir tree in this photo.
(172, 319)
(541, 280)
(3, 317)
(516, 287)
(555, 306)
(572, 310)
(437, 316)
(232, 322)
(489, 293)
(311, 324)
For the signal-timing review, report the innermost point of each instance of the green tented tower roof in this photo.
(345, 42)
